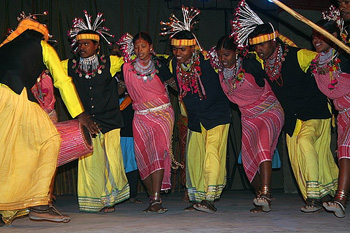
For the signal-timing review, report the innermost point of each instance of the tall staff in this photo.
(313, 25)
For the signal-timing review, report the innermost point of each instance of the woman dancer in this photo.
(242, 80)
(145, 76)
(332, 73)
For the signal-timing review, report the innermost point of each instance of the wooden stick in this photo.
(313, 25)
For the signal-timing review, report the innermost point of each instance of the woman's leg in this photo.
(344, 177)
(154, 183)
(262, 186)
(338, 205)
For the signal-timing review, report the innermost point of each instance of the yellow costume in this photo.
(206, 163)
(101, 177)
(29, 140)
(307, 125)
(312, 162)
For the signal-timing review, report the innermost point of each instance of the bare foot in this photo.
(107, 209)
(336, 207)
(312, 206)
(156, 207)
(49, 214)
(256, 209)
(205, 206)
(264, 203)
(190, 208)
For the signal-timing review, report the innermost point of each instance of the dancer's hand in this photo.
(85, 120)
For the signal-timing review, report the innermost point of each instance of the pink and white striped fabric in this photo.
(342, 104)
(262, 120)
(152, 125)
(341, 99)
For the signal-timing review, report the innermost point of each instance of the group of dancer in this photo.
(274, 83)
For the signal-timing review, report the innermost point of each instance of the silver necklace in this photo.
(88, 63)
(326, 57)
(146, 72)
(230, 73)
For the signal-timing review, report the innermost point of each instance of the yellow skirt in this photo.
(311, 158)
(28, 152)
(101, 177)
(206, 163)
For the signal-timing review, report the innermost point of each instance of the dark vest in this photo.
(299, 94)
(99, 96)
(213, 110)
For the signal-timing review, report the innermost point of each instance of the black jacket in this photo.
(214, 109)
(299, 95)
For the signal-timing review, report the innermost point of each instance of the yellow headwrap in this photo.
(183, 42)
(263, 38)
(88, 36)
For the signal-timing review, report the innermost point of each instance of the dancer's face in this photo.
(265, 49)
(183, 53)
(344, 8)
(227, 57)
(143, 49)
(87, 48)
(321, 43)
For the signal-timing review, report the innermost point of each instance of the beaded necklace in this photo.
(146, 72)
(188, 76)
(234, 75)
(327, 62)
(273, 65)
(88, 67)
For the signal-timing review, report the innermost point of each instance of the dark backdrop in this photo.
(144, 15)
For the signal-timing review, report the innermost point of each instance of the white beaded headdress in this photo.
(175, 26)
(127, 46)
(214, 59)
(80, 25)
(333, 14)
(244, 23)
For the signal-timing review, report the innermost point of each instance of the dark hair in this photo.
(32, 34)
(330, 26)
(226, 42)
(261, 30)
(187, 35)
(142, 35)
(335, 3)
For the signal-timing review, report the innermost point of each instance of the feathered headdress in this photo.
(93, 31)
(175, 26)
(28, 22)
(126, 46)
(245, 21)
(214, 59)
(333, 14)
